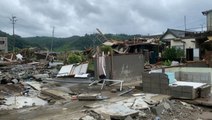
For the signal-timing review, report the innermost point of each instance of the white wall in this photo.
(4, 46)
(190, 69)
(209, 21)
(176, 43)
(189, 43)
(169, 36)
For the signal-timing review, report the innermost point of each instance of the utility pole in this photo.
(185, 22)
(52, 38)
(13, 20)
(202, 27)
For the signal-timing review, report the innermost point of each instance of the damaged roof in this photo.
(206, 12)
(176, 33)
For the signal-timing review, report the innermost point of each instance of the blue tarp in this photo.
(171, 77)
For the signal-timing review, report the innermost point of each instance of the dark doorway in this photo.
(189, 54)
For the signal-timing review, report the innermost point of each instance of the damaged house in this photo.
(3, 44)
(196, 45)
(183, 40)
(127, 59)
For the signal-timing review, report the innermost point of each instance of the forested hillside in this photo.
(61, 44)
(19, 42)
(74, 42)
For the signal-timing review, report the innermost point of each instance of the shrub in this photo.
(74, 58)
(173, 53)
(105, 49)
(167, 63)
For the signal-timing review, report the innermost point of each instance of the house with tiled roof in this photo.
(181, 39)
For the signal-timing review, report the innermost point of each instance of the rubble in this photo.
(68, 90)
(91, 97)
(116, 111)
(20, 102)
(165, 83)
(165, 110)
(56, 94)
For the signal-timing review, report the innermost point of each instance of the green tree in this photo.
(105, 49)
(74, 58)
(173, 53)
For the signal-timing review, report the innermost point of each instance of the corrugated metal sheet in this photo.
(80, 69)
(73, 69)
(65, 70)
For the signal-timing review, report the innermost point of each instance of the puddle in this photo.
(21, 101)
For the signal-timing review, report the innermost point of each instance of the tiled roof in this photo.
(206, 12)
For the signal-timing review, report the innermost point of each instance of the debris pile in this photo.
(21, 80)
(31, 82)
(165, 110)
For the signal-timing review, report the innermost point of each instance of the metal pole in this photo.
(185, 22)
(13, 20)
(52, 39)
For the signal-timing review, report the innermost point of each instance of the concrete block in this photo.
(203, 77)
(176, 88)
(164, 81)
(176, 94)
(154, 77)
(164, 85)
(145, 84)
(145, 75)
(196, 77)
(203, 81)
(165, 91)
(176, 91)
(187, 89)
(147, 89)
(88, 96)
(164, 76)
(153, 85)
(184, 76)
(155, 90)
(205, 91)
(190, 77)
(155, 81)
(157, 75)
(146, 78)
(186, 95)
(157, 110)
(177, 76)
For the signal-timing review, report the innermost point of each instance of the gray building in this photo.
(3, 44)
(208, 15)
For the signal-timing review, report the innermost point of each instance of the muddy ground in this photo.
(74, 109)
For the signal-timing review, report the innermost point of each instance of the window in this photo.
(178, 46)
(1, 42)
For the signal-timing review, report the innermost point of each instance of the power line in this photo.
(195, 21)
(198, 27)
(189, 23)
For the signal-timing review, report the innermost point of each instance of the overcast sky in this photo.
(78, 17)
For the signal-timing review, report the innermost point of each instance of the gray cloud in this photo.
(78, 17)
